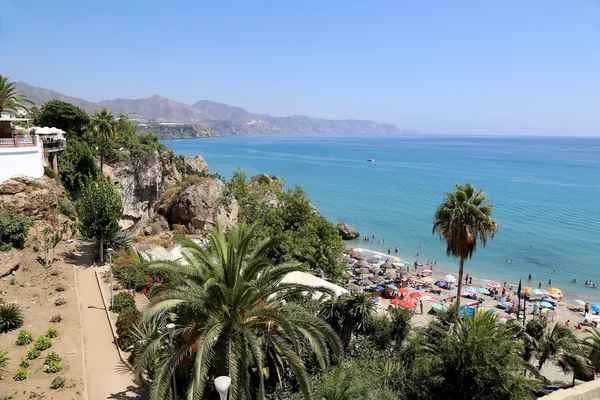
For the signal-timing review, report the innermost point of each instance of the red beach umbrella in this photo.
(416, 295)
(407, 303)
(395, 301)
(403, 290)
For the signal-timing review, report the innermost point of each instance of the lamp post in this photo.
(110, 251)
(222, 384)
(171, 328)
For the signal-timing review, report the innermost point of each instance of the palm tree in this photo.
(232, 315)
(12, 99)
(464, 218)
(102, 126)
(348, 314)
(573, 362)
(555, 342)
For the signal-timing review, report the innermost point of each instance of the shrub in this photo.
(60, 301)
(49, 172)
(20, 375)
(24, 362)
(3, 361)
(36, 248)
(33, 353)
(58, 382)
(53, 367)
(25, 337)
(11, 317)
(52, 356)
(126, 320)
(13, 228)
(13, 281)
(180, 229)
(60, 287)
(67, 208)
(56, 318)
(52, 332)
(122, 301)
(42, 343)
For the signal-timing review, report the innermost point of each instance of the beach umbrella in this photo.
(416, 295)
(405, 263)
(527, 290)
(546, 293)
(360, 257)
(450, 278)
(407, 303)
(494, 285)
(387, 265)
(390, 286)
(397, 264)
(595, 307)
(377, 256)
(548, 305)
(378, 288)
(550, 300)
(483, 291)
(439, 307)
(396, 259)
(537, 292)
(373, 260)
(427, 271)
(395, 301)
(354, 287)
(555, 290)
(471, 289)
(361, 264)
(377, 278)
(441, 283)
(363, 271)
(580, 302)
(404, 290)
(374, 269)
(365, 282)
(391, 275)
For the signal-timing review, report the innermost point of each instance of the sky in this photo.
(445, 67)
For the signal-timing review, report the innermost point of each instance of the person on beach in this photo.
(504, 286)
(586, 308)
(470, 280)
(568, 323)
(421, 306)
(389, 251)
(540, 285)
(549, 282)
(529, 276)
(467, 279)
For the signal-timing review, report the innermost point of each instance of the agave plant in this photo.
(11, 317)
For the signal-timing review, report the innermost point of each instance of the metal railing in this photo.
(18, 141)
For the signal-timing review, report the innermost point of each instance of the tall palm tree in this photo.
(232, 315)
(102, 126)
(463, 219)
(348, 314)
(555, 342)
(12, 99)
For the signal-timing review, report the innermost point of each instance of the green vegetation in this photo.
(24, 338)
(122, 302)
(58, 382)
(33, 353)
(13, 281)
(56, 318)
(67, 208)
(53, 367)
(63, 115)
(76, 164)
(13, 229)
(11, 99)
(61, 301)
(51, 239)
(52, 332)
(24, 362)
(99, 211)
(232, 320)
(42, 343)
(20, 375)
(3, 361)
(102, 128)
(304, 235)
(134, 274)
(11, 317)
(60, 287)
(52, 356)
(126, 321)
(463, 219)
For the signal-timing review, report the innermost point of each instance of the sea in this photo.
(546, 191)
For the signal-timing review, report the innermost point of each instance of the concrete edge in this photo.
(85, 391)
(112, 328)
(584, 391)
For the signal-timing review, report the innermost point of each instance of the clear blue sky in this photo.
(473, 67)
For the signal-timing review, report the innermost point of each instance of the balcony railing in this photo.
(19, 141)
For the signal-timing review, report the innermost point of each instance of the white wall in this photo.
(28, 161)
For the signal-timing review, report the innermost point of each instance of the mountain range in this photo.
(208, 118)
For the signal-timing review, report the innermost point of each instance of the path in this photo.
(107, 377)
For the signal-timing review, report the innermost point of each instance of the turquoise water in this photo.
(545, 190)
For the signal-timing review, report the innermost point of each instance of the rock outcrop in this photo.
(347, 232)
(195, 165)
(200, 206)
(12, 186)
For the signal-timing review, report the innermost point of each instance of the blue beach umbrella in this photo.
(441, 283)
(471, 289)
(393, 287)
(548, 305)
(580, 302)
(550, 300)
(405, 263)
(537, 292)
(483, 291)
(595, 307)
(378, 288)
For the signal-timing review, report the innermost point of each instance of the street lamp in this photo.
(110, 251)
(222, 384)
(171, 328)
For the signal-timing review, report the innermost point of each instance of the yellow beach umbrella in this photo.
(555, 290)
(396, 259)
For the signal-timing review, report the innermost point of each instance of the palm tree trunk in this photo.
(101, 251)
(102, 162)
(460, 282)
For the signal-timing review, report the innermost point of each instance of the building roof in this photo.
(305, 278)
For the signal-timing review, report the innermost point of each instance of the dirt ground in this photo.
(34, 289)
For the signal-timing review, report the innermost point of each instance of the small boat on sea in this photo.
(370, 159)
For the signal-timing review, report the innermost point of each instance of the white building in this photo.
(21, 154)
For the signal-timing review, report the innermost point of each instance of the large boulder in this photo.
(195, 165)
(12, 186)
(347, 232)
(200, 206)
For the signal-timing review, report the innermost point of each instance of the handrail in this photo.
(18, 141)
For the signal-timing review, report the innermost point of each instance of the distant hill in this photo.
(209, 118)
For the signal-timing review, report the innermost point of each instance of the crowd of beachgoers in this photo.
(425, 291)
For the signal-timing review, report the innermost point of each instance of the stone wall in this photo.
(585, 391)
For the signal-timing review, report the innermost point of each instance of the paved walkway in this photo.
(107, 377)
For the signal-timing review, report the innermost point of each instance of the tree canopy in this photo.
(63, 115)
(12, 99)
